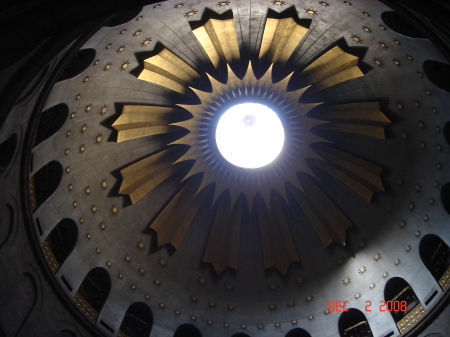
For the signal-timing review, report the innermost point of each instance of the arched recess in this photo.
(397, 289)
(7, 150)
(353, 323)
(240, 334)
(137, 322)
(435, 255)
(438, 73)
(124, 17)
(93, 292)
(68, 329)
(6, 224)
(59, 243)
(445, 197)
(44, 183)
(66, 333)
(26, 298)
(50, 121)
(82, 59)
(447, 132)
(187, 330)
(297, 332)
(399, 25)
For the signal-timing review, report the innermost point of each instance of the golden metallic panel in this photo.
(316, 221)
(333, 67)
(168, 70)
(141, 177)
(145, 132)
(202, 36)
(236, 219)
(365, 130)
(174, 220)
(140, 121)
(280, 38)
(363, 113)
(170, 65)
(163, 81)
(351, 181)
(278, 246)
(332, 217)
(330, 63)
(216, 250)
(365, 171)
(219, 40)
(285, 251)
(223, 243)
(344, 75)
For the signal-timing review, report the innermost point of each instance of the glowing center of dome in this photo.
(250, 135)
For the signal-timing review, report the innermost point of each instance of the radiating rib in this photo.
(358, 174)
(140, 178)
(219, 40)
(363, 118)
(280, 38)
(362, 113)
(142, 120)
(169, 71)
(333, 67)
(278, 246)
(365, 130)
(222, 249)
(176, 217)
(327, 219)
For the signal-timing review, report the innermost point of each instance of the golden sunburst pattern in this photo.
(263, 190)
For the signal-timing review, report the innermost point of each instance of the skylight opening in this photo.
(250, 135)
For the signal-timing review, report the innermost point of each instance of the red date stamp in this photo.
(384, 306)
(337, 305)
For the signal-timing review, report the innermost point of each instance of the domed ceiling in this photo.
(262, 251)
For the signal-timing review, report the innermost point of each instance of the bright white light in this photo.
(250, 135)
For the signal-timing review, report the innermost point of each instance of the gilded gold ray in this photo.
(278, 246)
(328, 221)
(350, 180)
(335, 220)
(140, 178)
(358, 174)
(280, 38)
(333, 67)
(222, 249)
(364, 170)
(362, 113)
(293, 173)
(219, 40)
(175, 218)
(168, 70)
(363, 118)
(365, 130)
(142, 120)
